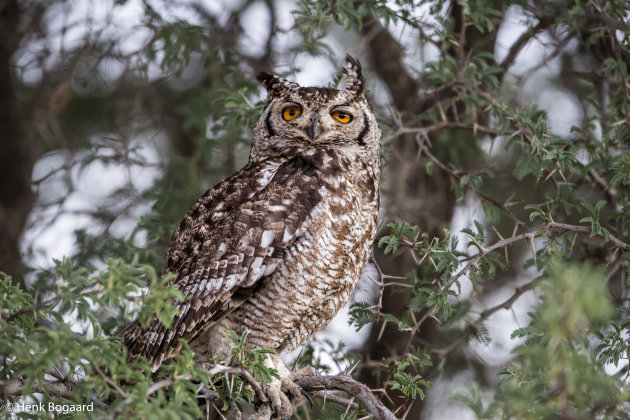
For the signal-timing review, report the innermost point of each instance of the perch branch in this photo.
(345, 383)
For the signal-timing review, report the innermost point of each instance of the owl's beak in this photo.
(313, 129)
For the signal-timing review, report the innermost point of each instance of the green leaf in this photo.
(360, 314)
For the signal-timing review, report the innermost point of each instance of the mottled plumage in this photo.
(278, 247)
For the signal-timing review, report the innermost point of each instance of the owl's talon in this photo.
(280, 402)
(308, 397)
(293, 390)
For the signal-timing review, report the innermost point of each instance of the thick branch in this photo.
(352, 387)
(16, 151)
(387, 58)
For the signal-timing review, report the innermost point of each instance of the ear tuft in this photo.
(265, 79)
(355, 83)
(275, 85)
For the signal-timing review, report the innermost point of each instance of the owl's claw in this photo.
(280, 403)
(281, 392)
(295, 391)
(308, 397)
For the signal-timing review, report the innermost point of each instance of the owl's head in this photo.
(317, 117)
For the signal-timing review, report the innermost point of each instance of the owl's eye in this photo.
(291, 112)
(342, 117)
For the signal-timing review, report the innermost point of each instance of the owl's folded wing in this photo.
(229, 242)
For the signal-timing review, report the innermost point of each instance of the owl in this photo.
(277, 247)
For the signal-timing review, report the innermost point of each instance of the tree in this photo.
(517, 113)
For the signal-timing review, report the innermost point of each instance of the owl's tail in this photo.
(144, 342)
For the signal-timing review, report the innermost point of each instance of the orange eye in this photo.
(291, 112)
(342, 117)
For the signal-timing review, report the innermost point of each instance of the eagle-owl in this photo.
(277, 247)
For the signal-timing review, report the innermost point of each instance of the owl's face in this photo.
(318, 117)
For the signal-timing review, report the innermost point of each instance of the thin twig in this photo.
(327, 396)
(440, 126)
(474, 326)
(585, 229)
(49, 302)
(518, 45)
(245, 374)
(109, 380)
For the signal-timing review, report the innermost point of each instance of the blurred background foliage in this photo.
(499, 283)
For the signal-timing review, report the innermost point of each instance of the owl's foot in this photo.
(280, 403)
(295, 391)
(281, 392)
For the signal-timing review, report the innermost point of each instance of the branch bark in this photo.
(345, 383)
(16, 154)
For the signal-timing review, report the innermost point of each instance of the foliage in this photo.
(40, 345)
(556, 371)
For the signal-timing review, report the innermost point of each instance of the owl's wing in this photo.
(230, 240)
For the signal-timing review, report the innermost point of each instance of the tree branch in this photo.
(585, 229)
(326, 396)
(245, 374)
(16, 152)
(388, 61)
(520, 290)
(441, 126)
(347, 384)
(15, 387)
(474, 326)
(522, 41)
(80, 292)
